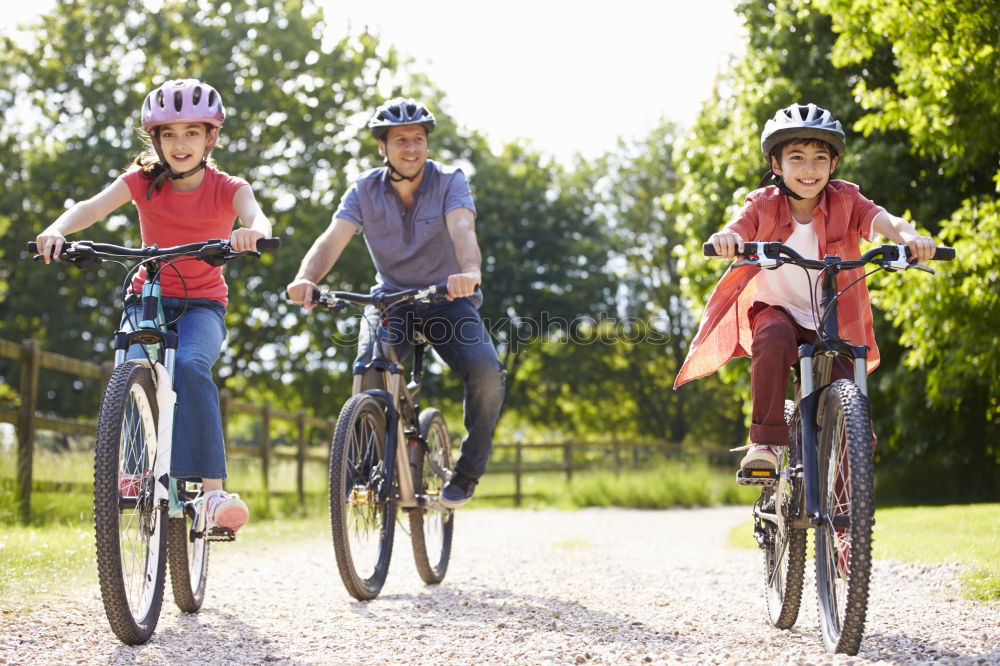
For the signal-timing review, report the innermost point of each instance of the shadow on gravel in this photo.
(474, 609)
(209, 636)
(901, 648)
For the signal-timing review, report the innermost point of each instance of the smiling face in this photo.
(185, 144)
(805, 167)
(406, 148)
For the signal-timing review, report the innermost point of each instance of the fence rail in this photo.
(569, 459)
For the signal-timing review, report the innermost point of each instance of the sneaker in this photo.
(225, 510)
(457, 491)
(761, 456)
(129, 484)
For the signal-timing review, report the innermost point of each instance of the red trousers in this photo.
(774, 350)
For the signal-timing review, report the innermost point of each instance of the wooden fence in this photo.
(312, 435)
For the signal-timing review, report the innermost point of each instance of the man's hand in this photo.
(301, 291)
(726, 243)
(463, 284)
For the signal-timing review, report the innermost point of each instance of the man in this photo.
(419, 222)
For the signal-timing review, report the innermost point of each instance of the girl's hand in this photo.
(244, 239)
(50, 244)
(726, 243)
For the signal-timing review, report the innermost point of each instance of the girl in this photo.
(182, 198)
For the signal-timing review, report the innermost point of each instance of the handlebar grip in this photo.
(32, 247)
(944, 254)
(268, 243)
(708, 250)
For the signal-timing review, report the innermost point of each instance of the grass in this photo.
(963, 534)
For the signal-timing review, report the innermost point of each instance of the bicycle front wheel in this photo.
(785, 547)
(847, 506)
(430, 530)
(362, 505)
(129, 527)
(188, 550)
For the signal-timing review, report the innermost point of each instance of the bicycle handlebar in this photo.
(215, 251)
(885, 255)
(338, 300)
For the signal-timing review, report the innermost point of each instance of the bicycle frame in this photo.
(401, 398)
(153, 334)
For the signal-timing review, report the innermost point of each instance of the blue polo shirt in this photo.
(410, 248)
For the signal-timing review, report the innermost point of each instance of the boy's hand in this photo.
(922, 247)
(463, 284)
(50, 244)
(726, 243)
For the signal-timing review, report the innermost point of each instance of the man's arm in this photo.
(902, 232)
(461, 224)
(319, 260)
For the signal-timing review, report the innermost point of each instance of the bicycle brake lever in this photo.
(921, 267)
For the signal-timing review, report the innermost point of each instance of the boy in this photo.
(766, 314)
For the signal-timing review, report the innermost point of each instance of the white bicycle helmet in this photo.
(800, 121)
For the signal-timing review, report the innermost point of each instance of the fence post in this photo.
(517, 472)
(618, 456)
(265, 451)
(568, 460)
(300, 459)
(31, 352)
(224, 398)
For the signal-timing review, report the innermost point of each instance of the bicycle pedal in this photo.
(756, 477)
(221, 534)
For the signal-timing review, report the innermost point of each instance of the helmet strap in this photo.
(771, 178)
(157, 183)
(396, 176)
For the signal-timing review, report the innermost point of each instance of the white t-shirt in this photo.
(788, 286)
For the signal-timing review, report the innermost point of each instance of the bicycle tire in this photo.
(844, 543)
(430, 530)
(129, 529)
(187, 552)
(363, 526)
(785, 554)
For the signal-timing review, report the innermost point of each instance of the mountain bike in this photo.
(143, 518)
(825, 480)
(388, 454)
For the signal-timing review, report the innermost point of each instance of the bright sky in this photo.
(570, 76)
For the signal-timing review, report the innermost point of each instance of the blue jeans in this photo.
(457, 333)
(198, 448)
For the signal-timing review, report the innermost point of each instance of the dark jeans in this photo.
(457, 333)
(198, 448)
(774, 351)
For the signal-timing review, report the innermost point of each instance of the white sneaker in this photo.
(225, 510)
(761, 456)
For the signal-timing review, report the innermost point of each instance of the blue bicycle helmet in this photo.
(400, 111)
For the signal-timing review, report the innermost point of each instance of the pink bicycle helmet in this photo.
(183, 100)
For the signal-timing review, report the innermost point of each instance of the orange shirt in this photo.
(842, 218)
(176, 218)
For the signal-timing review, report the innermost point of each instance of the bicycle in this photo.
(143, 518)
(825, 480)
(386, 455)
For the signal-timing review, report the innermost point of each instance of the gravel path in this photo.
(602, 586)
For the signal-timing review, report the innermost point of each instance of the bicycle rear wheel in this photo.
(129, 527)
(430, 530)
(785, 548)
(844, 540)
(187, 551)
(362, 504)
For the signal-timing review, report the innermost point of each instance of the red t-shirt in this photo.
(176, 218)
(842, 218)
